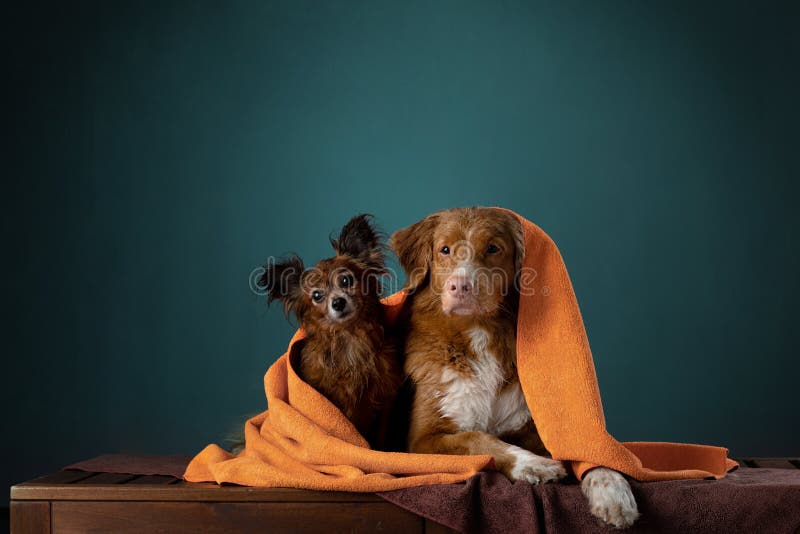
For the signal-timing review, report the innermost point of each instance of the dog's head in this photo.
(336, 290)
(464, 260)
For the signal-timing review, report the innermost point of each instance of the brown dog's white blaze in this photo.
(466, 260)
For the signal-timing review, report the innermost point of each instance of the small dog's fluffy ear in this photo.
(282, 281)
(414, 248)
(359, 239)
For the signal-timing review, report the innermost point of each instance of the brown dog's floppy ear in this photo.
(359, 239)
(519, 243)
(414, 248)
(517, 238)
(282, 281)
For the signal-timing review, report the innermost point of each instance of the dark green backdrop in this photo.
(157, 152)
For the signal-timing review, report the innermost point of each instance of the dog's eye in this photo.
(445, 250)
(346, 280)
(316, 295)
(492, 249)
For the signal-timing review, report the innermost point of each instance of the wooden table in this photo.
(80, 501)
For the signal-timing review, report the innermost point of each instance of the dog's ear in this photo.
(282, 281)
(414, 248)
(360, 239)
(519, 242)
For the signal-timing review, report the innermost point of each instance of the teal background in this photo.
(157, 152)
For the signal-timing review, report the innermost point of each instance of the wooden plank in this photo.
(155, 480)
(30, 517)
(198, 485)
(67, 476)
(775, 463)
(183, 491)
(179, 517)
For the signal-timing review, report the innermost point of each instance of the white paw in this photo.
(534, 469)
(610, 497)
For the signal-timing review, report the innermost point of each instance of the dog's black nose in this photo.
(338, 303)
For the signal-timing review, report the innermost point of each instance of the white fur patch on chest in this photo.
(475, 402)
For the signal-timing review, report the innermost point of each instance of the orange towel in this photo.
(303, 441)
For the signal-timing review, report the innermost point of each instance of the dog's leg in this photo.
(528, 438)
(610, 497)
(514, 462)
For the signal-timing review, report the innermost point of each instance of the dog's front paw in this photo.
(610, 497)
(532, 468)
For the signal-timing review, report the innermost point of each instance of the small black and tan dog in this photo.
(347, 354)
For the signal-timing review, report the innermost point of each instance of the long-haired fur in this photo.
(347, 354)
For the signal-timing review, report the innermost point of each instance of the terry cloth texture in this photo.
(747, 500)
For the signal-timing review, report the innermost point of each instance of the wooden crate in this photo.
(79, 501)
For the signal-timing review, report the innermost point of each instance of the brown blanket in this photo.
(747, 500)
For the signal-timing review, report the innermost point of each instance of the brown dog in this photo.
(460, 351)
(346, 353)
